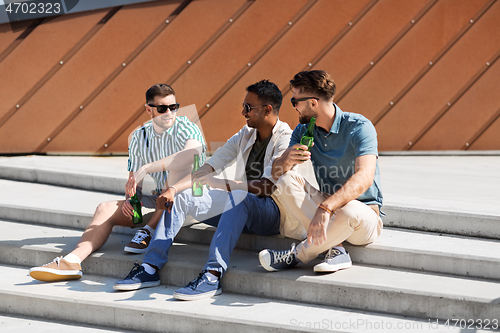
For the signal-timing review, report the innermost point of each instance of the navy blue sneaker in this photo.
(199, 288)
(274, 261)
(336, 258)
(137, 279)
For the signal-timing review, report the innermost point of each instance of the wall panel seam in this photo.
(399, 96)
(20, 39)
(482, 130)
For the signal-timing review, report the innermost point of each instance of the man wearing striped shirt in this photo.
(153, 148)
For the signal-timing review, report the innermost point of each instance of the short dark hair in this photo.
(160, 89)
(316, 82)
(268, 93)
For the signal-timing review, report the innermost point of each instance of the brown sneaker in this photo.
(57, 270)
(140, 242)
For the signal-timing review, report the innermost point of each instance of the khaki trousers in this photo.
(356, 222)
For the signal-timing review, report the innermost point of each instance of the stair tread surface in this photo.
(444, 183)
(56, 241)
(126, 309)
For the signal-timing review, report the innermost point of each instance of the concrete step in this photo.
(442, 253)
(362, 287)
(21, 324)
(92, 299)
(421, 193)
(108, 174)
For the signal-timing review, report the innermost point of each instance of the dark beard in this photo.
(305, 119)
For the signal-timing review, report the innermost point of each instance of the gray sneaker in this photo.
(274, 261)
(336, 258)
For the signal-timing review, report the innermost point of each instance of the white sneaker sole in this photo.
(136, 286)
(54, 275)
(265, 258)
(185, 297)
(325, 268)
(134, 250)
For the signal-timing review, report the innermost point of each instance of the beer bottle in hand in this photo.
(197, 187)
(308, 137)
(136, 204)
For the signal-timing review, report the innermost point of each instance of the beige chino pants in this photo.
(356, 222)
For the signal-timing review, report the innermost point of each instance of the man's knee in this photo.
(108, 207)
(352, 213)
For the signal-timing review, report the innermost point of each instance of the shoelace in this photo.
(286, 256)
(196, 282)
(56, 260)
(134, 271)
(140, 236)
(332, 253)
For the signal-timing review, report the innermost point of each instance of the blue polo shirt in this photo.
(334, 152)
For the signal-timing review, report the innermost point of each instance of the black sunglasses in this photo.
(163, 108)
(249, 108)
(296, 100)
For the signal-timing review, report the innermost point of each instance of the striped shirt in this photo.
(147, 146)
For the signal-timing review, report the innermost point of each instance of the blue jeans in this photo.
(249, 213)
(207, 209)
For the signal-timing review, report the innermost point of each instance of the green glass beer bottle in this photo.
(197, 187)
(136, 204)
(308, 137)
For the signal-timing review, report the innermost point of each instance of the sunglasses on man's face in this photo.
(249, 108)
(163, 108)
(296, 100)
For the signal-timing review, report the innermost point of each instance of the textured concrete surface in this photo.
(154, 309)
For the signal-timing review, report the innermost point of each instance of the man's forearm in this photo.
(280, 166)
(183, 159)
(352, 189)
(180, 184)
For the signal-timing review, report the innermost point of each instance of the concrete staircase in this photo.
(430, 265)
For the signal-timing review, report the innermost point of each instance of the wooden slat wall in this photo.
(424, 71)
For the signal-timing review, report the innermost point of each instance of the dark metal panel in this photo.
(82, 6)
(7, 37)
(290, 54)
(446, 77)
(467, 116)
(30, 62)
(124, 96)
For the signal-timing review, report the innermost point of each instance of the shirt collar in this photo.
(253, 137)
(168, 131)
(336, 123)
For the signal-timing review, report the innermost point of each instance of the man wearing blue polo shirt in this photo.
(344, 157)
